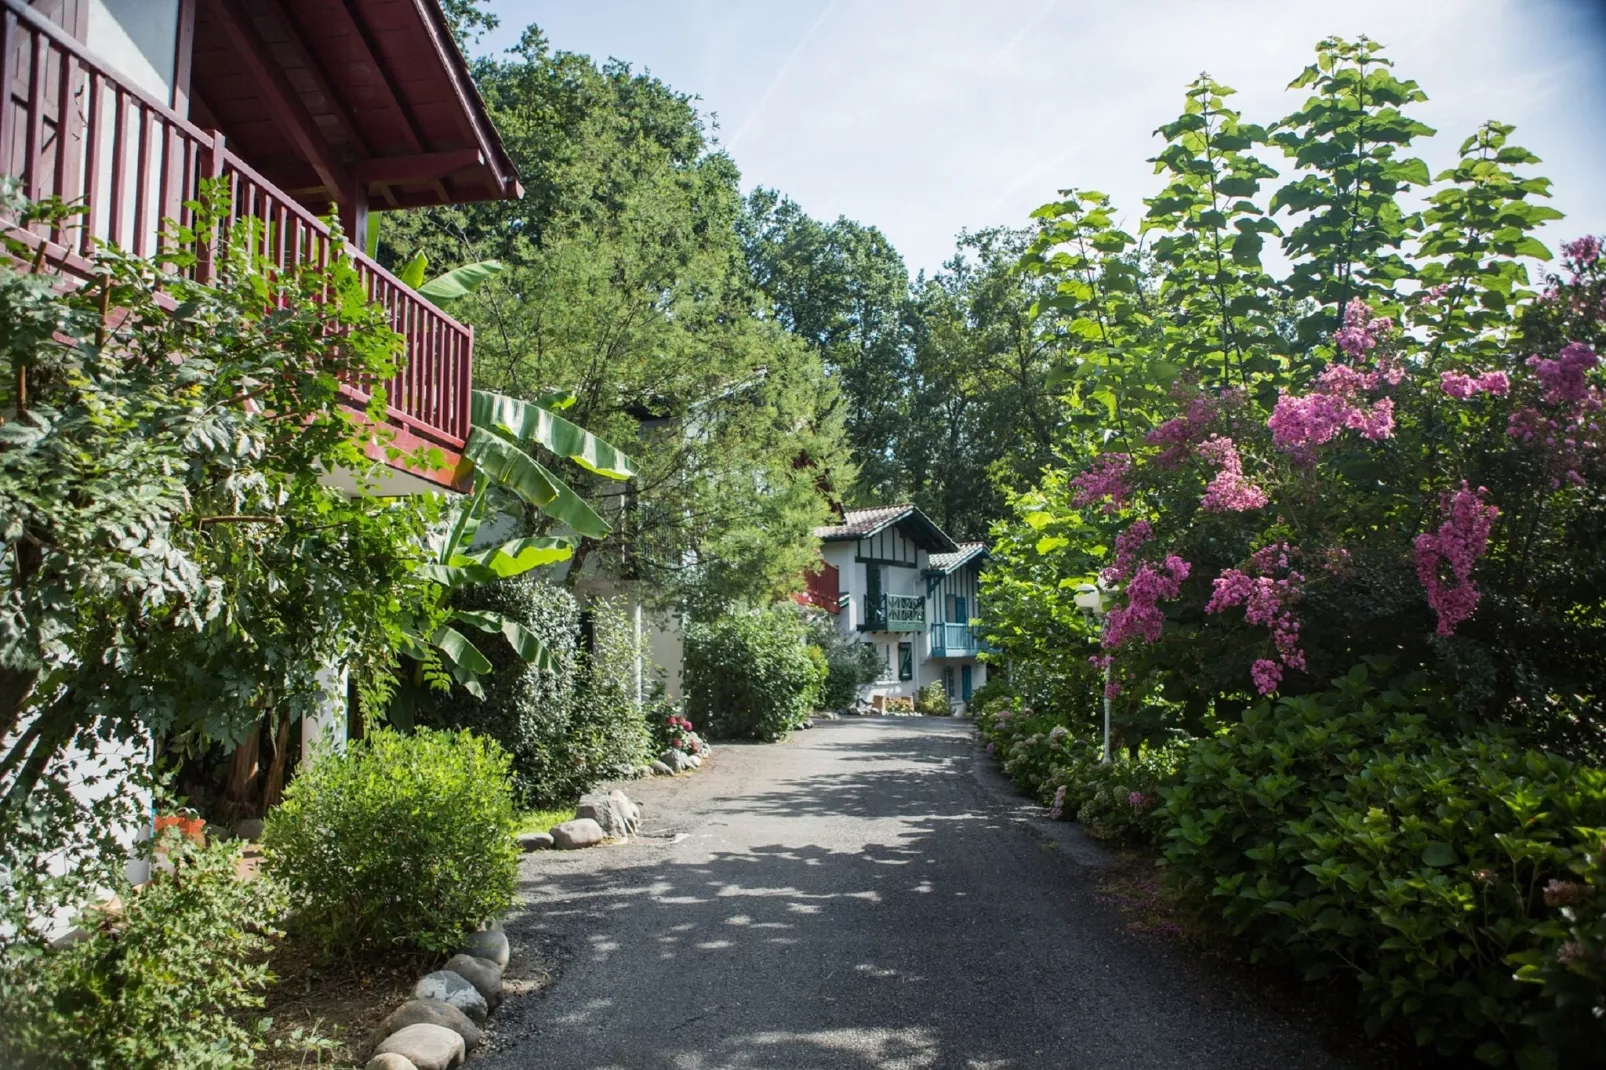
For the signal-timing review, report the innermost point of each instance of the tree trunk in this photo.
(281, 753)
(240, 796)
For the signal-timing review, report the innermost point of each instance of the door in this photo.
(961, 611)
(964, 682)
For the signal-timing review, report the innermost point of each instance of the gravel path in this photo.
(868, 894)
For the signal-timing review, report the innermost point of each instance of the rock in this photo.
(535, 841)
(249, 829)
(696, 760)
(660, 769)
(631, 812)
(573, 835)
(806, 724)
(390, 1061)
(677, 761)
(489, 925)
(490, 946)
(431, 1012)
(449, 987)
(605, 811)
(484, 975)
(427, 1047)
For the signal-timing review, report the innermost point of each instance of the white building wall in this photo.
(139, 38)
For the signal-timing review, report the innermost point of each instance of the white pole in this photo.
(1106, 759)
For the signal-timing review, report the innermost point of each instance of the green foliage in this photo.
(400, 839)
(154, 520)
(933, 700)
(1343, 832)
(750, 675)
(528, 708)
(849, 663)
(158, 981)
(609, 735)
(624, 282)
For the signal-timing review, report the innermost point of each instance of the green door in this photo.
(875, 613)
(961, 611)
(964, 682)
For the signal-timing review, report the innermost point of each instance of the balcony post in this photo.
(214, 155)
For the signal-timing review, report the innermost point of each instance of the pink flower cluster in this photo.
(1265, 599)
(1141, 617)
(1564, 378)
(1127, 545)
(1461, 386)
(1359, 334)
(1299, 424)
(1571, 436)
(1583, 253)
(1230, 491)
(1105, 478)
(1057, 811)
(1459, 542)
(1179, 433)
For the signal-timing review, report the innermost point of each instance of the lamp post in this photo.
(1090, 599)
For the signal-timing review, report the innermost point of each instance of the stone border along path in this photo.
(444, 1020)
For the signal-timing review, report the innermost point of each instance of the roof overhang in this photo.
(967, 554)
(917, 525)
(333, 98)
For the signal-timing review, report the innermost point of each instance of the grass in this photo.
(541, 820)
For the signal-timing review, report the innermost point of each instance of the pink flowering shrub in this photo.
(1455, 548)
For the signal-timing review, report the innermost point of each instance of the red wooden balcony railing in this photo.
(73, 128)
(823, 589)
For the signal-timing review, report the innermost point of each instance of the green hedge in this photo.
(568, 726)
(1342, 833)
(752, 675)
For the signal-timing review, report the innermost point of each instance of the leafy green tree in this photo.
(624, 284)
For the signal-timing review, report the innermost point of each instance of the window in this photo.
(886, 661)
(906, 661)
(948, 681)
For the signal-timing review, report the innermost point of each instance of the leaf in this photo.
(412, 272)
(460, 281)
(454, 576)
(1438, 854)
(532, 423)
(509, 466)
(1050, 543)
(517, 556)
(459, 651)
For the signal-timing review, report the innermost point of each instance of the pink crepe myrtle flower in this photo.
(1358, 335)
(1230, 491)
(1141, 617)
(1583, 252)
(1105, 478)
(1564, 377)
(1461, 386)
(1457, 545)
(1057, 811)
(1265, 592)
(1127, 545)
(1180, 433)
(1267, 674)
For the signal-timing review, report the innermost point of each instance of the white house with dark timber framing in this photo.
(895, 580)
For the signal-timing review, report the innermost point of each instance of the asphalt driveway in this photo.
(867, 894)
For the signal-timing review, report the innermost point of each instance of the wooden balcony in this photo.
(823, 589)
(894, 613)
(73, 128)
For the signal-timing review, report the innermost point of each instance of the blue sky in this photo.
(924, 118)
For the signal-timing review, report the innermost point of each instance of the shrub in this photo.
(850, 664)
(1343, 832)
(399, 839)
(900, 704)
(933, 701)
(529, 710)
(155, 984)
(750, 674)
(608, 734)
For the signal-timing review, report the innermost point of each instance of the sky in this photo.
(928, 118)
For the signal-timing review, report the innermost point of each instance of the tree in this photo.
(624, 285)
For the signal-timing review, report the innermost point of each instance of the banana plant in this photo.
(505, 434)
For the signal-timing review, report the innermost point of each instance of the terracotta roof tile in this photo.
(949, 562)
